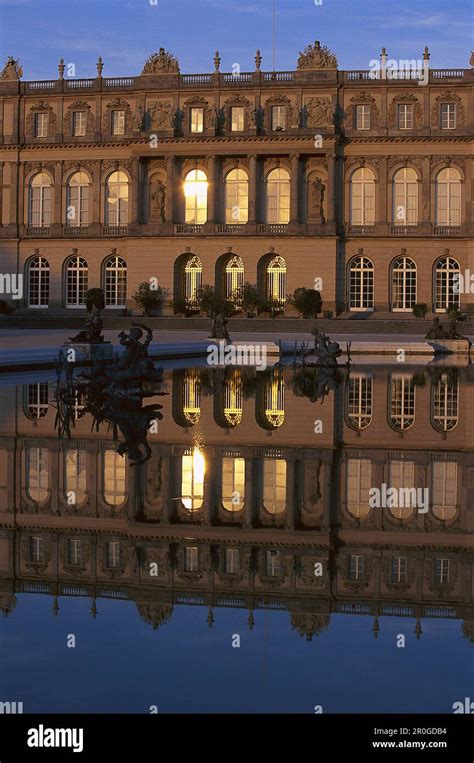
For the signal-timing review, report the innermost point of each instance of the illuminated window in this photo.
(192, 480)
(274, 400)
(114, 478)
(192, 396)
(192, 281)
(233, 398)
(359, 478)
(115, 272)
(39, 201)
(445, 403)
(444, 489)
(37, 474)
(405, 116)
(116, 207)
(361, 284)
(405, 197)
(448, 197)
(41, 125)
(279, 118)
(448, 116)
(77, 212)
(403, 284)
(79, 121)
(278, 197)
(77, 279)
(402, 478)
(38, 282)
(402, 402)
(276, 281)
(195, 192)
(234, 279)
(363, 117)
(233, 483)
(197, 120)
(75, 478)
(236, 197)
(362, 197)
(118, 122)
(274, 485)
(237, 118)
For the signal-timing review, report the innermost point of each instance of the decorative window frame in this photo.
(38, 108)
(118, 104)
(448, 97)
(68, 120)
(400, 100)
(363, 99)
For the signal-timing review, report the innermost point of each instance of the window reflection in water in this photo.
(359, 401)
(114, 478)
(193, 469)
(233, 483)
(274, 485)
(37, 474)
(402, 402)
(444, 403)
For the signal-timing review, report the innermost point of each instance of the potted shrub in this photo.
(95, 298)
(248, 298)
(453, 311)
(306, 301)
(211, 302)
(150, 300)
(420, 310)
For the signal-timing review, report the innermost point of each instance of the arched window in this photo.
(276, 281)
(359, 392)
(278, 197)
(38, 282)
(36, 400)
(39, 201)
(444, 489)
(192, 396)
(446, 285)
(402, 479)
(234, 279)
(274, 485)
(233, 483)
(37, 474)
(114, 478)
(236, 197)
(403, 284)
(116, 199)
(77, 212)
(358, 484)
(448, 197)
(75, 476)
(193, 468)
(195, 193)
(192, 281)
(361, 284)
(402, 402)
(77, 279)
(233, 398)
(362, 197)
(115, 279)
(405, 197)
(274, 400)
(445, 403)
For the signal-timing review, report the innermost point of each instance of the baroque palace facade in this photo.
(276, 178)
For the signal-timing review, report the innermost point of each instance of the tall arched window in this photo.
(36, 400)
(362, 197)
(444, 489)
(193, 469)
(115, 280)
(233, 483)
(403, 284)
(278, 197)
(192, 396)
(116, 199)
(77, 212)
(75, 476)
(401, 402)
(77, 280)
(359, 401)
(276, 281)
(405, 197)
(192, 281)
(448, 197)
(39, 201)
(37, 474)
(446, 285)
(445, 403)
(195, 193)
(401, 476)
(113, 478)
(274, 400)
(233, 395)
(38, 282)
(236, 197)
(358, 484)
(361, 284)
(234, 279)
(274, 485)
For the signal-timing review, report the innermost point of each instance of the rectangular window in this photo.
(441, 570)
(197, 120)
(448, 116)
(232, 560)
(278, 117)
(41, 125)
(112, 554)
(237, 119)
(273, 564)
(79, 123)
(118, 122)
(191, 559)
(363, 117)
(399, 569)
(405, 116)
(356, 567)
(74, 552)
(36, 549)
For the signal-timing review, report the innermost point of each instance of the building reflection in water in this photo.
(243, 497)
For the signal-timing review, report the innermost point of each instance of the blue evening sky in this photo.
(125, 32)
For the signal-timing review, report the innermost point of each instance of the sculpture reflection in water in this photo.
(114, 394)
(314, 379)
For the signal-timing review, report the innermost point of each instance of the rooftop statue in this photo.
(317, 57)
(161, 63)
(12, 69)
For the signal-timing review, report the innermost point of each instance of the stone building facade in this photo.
(357, 185)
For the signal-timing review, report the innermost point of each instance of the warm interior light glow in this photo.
(192, 480)
(199, 466)
(195, 188)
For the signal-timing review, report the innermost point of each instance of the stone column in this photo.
(252, 159)
(331, 159)
(295, 187)
(94, 219)
(383, 221)
(17, 194)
